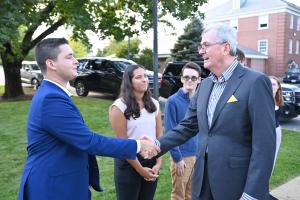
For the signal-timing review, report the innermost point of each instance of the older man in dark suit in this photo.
(233, 110)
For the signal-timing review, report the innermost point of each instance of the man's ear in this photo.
(226, 49)
(50, 64)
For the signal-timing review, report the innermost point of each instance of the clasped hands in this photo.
(148, 148)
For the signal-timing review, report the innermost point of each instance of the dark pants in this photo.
(130, 185)
(205, 193)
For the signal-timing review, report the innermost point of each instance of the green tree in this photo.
(120, 48)
(145, 58)
(80, 49)
(186, 47)
(119, 18)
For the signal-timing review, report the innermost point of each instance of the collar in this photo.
(226, 74)
(60, 86)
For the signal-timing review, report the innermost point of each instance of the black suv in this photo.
(292, 75)
(170, 81)
(102, 74)
(31, 73)
(291, 97)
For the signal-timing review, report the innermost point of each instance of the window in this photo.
(298, 24)
(263, 46)
(234, 23)
(263, 22)
(290, 46)
(297, 47)
(291, 22)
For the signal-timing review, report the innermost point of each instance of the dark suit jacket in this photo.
(60, 163)
(240, 141)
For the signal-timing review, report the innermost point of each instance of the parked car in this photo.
(291, 97)
(101, 74)
(292, 75)
(31, 73)
(170, 81)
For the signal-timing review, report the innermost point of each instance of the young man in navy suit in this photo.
(61, 161)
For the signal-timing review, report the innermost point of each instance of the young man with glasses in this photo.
(233, 111)
(183, 157)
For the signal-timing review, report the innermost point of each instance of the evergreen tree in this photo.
(186, 47)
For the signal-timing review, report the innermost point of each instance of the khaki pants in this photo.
(182, 185)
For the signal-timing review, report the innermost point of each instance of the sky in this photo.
(166, 36)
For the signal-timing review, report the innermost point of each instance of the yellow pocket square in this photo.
(232, 99)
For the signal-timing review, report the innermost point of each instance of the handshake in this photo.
(149, 148)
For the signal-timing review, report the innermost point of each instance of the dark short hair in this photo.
(191, 65)
(133, 109)
(48, 49)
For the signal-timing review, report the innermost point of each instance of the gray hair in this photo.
(225, 33)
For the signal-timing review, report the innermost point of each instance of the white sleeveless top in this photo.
(144, 125)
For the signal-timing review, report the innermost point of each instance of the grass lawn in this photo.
(13, 149)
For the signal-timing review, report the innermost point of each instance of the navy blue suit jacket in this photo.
(60, 162)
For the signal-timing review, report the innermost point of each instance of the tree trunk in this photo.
(13, 85)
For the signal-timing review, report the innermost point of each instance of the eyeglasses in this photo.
(192, 78)
(205, 45)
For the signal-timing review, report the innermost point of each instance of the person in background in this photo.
(240, 56)
(135, 113)
(183, 157)
(277, 94)
(61, 162)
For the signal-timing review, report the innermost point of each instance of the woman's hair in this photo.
(133, 109)
(278, 95)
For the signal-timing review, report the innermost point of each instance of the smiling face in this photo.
(140, 80)
(212, 50)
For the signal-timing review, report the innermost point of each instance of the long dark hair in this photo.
(133, 109)
(278, 96)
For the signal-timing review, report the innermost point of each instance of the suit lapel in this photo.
(206, 87)
(233, 83)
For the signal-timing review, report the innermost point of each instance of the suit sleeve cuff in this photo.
(248, 197)
(138, 146)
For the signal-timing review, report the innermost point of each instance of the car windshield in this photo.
(294, 70)
(122, 65)
(35, 67)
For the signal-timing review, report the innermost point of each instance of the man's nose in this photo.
(201, 51)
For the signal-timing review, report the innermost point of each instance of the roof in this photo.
(250, 8)
(251, 53)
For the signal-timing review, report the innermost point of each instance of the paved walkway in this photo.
(288, 191)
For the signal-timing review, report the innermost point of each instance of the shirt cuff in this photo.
(157, 143)
(138, 146)
(248, 197)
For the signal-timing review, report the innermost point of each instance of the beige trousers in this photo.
(182, 185)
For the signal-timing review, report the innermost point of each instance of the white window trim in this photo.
(258, 46)
(263, 18)
(291, 21)
(298, 24)
(290, 46)
(297, 47)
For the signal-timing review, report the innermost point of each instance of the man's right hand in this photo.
(148, 148)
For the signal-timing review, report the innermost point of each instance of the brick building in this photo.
(269, 29)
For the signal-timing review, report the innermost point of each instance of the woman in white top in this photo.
(134, 115)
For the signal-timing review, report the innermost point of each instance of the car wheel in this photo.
(81, 88)
(35, 83)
